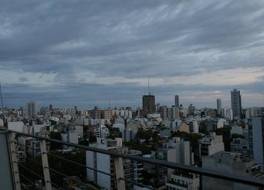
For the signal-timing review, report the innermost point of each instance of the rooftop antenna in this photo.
(1, 97)
(110, 103)
(148, 88)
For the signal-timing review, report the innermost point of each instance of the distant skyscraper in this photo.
(177, 103)
(50, 107)
(31, 110)
(236, 103)
(149, 104)
(163, 111)
(219, 106)
(191, 109)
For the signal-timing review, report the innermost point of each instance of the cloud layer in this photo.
(103, 52)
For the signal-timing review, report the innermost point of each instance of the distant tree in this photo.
(180, 134)
(56, 136)
(144, 134)
(114, 133)
(92, 139)
(144, 148)
(234, 136)
(161, 127)
(84, 141)
(203, 127)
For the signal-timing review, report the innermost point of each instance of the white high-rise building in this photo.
(30, 110)
(179, 151)
(195, 126)
(228, 113)
(173, 113)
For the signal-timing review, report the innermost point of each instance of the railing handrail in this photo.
(162, 163)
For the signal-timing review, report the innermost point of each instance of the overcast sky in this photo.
(102, 52)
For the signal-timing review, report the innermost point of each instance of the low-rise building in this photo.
(183, 181)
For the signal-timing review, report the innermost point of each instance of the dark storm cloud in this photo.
(91, 51)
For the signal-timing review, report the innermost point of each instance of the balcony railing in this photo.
(41, 174)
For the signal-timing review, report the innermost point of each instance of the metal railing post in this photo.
(6, 177)
(7, 180)
(14, 160)
(119, 171)
(45, 165)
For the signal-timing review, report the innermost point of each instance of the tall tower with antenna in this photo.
(148, 102)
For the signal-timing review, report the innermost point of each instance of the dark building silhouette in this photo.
(149, 104)
(219, 106)
(177, 102)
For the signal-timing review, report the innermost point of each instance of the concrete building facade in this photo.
(256, 139)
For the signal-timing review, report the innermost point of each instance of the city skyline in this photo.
(217, 105)
(95, 53)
